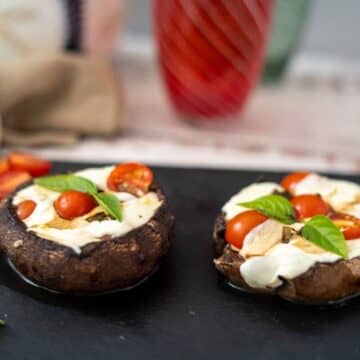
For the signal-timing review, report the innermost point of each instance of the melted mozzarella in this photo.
(353, 210)
(79, 232)
(97, 175)
(286, 261)
(251, 192)
(44, 211)
(136, 213)
(272, 260)
(338, 193)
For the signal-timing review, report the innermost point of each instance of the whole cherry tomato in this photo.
(290, 181)
(130, 177)
(309, 205)
(34, 165)
(10, 180)
(71, 204)
(240, 225)
(25, 209)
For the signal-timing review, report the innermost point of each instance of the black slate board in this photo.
(184, 311)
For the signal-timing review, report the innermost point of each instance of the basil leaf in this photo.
(2, 322)
(273, 206)
(321, 231)
(63, 183)
(110, 203)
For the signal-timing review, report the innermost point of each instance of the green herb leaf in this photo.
(321, 231)
(110, 203)
(2, 322)
(274, 206)
(63, 183)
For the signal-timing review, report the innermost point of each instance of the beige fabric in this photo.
(56, 99)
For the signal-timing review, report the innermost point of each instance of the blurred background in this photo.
(259, 84)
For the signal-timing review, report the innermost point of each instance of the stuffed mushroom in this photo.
(299, 239)
(94, 231)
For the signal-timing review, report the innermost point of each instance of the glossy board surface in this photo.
(184, 311)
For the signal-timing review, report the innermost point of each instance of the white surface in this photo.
(284, 128)
(31, 26)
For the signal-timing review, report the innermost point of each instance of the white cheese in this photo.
(97, 175)
(262, 238)
(353, 210)
(249, 193)
(266, 268)
(44, 211)
(136, 212)
(286, 261)
(338, 193)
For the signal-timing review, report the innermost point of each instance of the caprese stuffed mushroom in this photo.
(299, 239)
(92, 231)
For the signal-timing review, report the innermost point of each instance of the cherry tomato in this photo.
(71, 204)
(240, 225)
(348, 224)
(10, 180)
(4, 165)
(34, 165)
(289, 182)
(131, 177)
(309, 205)
(25, 209)
(352, 233)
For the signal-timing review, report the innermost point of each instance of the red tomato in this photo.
(352, 233)
(71, 204)
(34, 165)
(290, 181)
(4, 165)
(309, 205)
(131, 177)
(348, 224)
(240, 225)
(10, 180)
(25, 209)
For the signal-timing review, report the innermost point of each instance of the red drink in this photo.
(211, 52)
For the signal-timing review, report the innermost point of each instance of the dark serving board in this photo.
(184, 311)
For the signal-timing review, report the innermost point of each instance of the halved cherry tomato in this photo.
(309, 205)
(4, 165)
(71, 204)
(289, 182)
(352, 233)
(34, 165)
(25, 209)
(130, 177)
(348, 224)
(240, 225)
(10, 180)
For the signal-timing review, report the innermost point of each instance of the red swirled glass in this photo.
(211, 52)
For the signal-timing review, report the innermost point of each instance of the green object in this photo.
(61, 183)
(109, 202)
(274, 206)
(321, 231)
(287, 28)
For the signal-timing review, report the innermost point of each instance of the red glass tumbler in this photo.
(211, 52)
